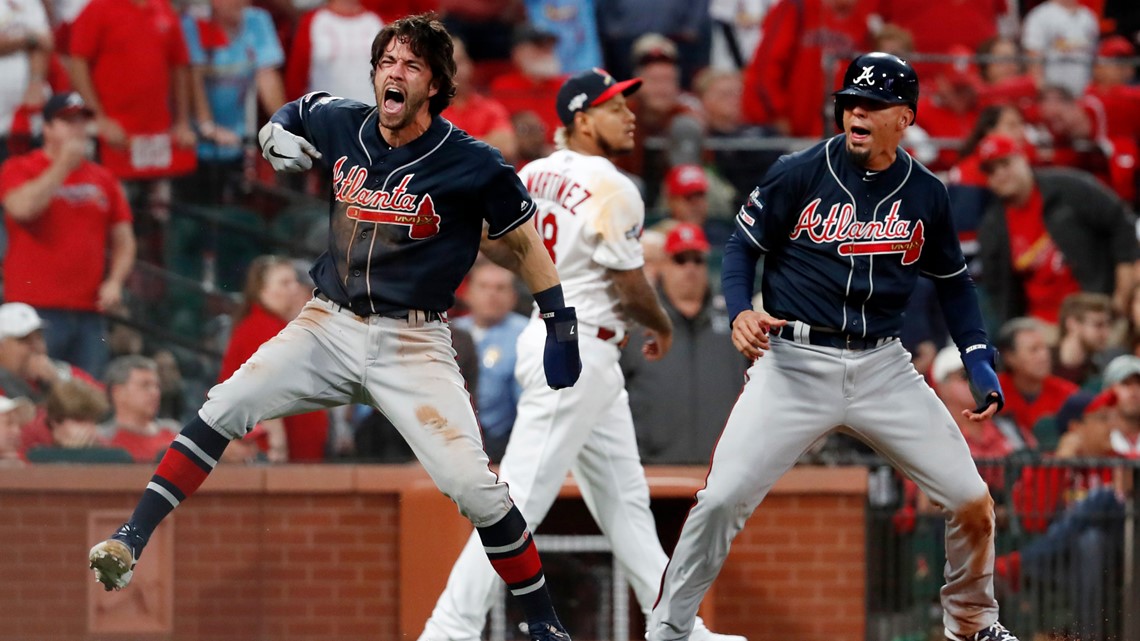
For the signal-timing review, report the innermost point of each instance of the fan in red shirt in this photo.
(273, 297)
(950, 110)
(65, 217)
(1032, 391)
(536, 78)
(130, 64)
(482, 117)
(784, 85)
(939, 26)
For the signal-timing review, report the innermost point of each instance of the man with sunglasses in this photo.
(590, 217)
(703, 371)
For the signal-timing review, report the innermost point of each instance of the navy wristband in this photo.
(550, 299)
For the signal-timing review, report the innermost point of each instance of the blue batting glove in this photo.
(979, 362)
(561, 360)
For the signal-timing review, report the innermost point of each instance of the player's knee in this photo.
(976, 517)
(475, 493)
(233, 420)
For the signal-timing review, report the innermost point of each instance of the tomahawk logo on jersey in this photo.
(396, 212)
(851, 263)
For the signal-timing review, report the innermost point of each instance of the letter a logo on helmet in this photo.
(880, 77)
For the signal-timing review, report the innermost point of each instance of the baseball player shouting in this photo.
(590, 217)
(845, 227)
(411, 194)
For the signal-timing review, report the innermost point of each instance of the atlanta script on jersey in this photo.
(847, 263)
(403, 226)
(590, 218)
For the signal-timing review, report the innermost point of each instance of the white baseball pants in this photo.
(586, 429)
(329, 356)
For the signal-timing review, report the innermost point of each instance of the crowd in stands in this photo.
(114, 114)
(117, 112)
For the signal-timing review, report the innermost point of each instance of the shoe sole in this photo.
(113, 563)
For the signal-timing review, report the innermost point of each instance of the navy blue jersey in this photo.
(843, 245)
(404, 223)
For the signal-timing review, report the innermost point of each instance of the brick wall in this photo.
(342, 552)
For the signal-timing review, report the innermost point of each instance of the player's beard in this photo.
(610, 150)
(860, 157)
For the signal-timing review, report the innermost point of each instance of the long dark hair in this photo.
(986, 122)
(426, 36)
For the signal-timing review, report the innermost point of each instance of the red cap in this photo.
(686, 237)
(1115, 47)
(997, 146)
(684, 180)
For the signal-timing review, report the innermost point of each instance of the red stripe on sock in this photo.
(177, 468)
(517, 569)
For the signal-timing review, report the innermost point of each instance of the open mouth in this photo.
(393, 100)
(859, 134)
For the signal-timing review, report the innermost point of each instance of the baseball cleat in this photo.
(995, 632)
(114, 559)
(546, 631)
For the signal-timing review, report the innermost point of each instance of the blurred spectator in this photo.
(939, 27)
(736, 31)
(966, 182)
(895, 40)
(485, 25)
(653, 248)
(132, 386)
(331, 52)
(1005, 80)
(173, 403)
(1060, 37)
(986, 439)
(1050, 233)
(949, 111)
(71, 245)
(622, 22)
(1080, 139)
(657, 107)
(1085, 325)
(73, 410)
(1004, 119)
(681, 402)
(1079, 512)
(576, 25)
(495, 327)
(1031, 390)
(720, 93)
(11, 452)
(482, 117)
(269, 302)
(533, 137)
(686, 197)
(536, 77)
(1122, 378)
(25, 44)
(233, 51)
(131, 66)
(786, 86)
(25, 368)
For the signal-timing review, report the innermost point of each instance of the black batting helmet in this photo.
(881, 77)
